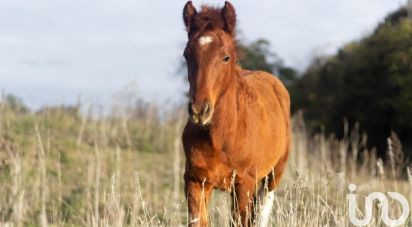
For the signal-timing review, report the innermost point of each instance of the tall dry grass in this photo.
(60, 167)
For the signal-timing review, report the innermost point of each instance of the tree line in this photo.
(368, 81)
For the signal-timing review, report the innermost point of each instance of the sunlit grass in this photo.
(62, 168)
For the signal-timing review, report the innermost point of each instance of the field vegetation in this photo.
(62, 166)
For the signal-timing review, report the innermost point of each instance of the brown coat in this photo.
(240, 128)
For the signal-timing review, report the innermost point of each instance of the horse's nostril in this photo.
(206, 109)
(200, 112)
(193, 109)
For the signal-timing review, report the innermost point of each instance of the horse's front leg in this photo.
(243, 204)
(198, 194)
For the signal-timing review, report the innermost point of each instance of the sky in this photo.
(57, 51)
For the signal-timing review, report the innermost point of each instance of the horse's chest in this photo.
(211, 167)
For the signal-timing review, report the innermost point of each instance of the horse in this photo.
(237, 136)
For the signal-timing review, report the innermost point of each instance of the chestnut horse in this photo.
(238, 134)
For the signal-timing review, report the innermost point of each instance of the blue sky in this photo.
(52, 51)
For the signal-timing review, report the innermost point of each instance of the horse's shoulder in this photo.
(268, 87)
(280, 91)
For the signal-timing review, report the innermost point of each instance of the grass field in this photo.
(62, 168)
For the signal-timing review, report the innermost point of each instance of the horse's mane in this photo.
(209, 18)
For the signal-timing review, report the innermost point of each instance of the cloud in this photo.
(71, 47)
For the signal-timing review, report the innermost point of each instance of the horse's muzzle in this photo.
(200, 114)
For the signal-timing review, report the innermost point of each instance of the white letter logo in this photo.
(352, 199)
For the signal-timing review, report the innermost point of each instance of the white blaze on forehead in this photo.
(205, 40)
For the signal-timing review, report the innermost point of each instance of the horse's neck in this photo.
(226, 116)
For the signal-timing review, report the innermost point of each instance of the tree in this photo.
(258, 55)
(368, 81)
(15, 103)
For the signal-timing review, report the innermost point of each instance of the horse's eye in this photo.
(226, 58)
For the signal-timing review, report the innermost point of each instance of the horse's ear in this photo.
(229, 17)
(189, 12)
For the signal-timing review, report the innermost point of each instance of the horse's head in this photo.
(210, 56)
